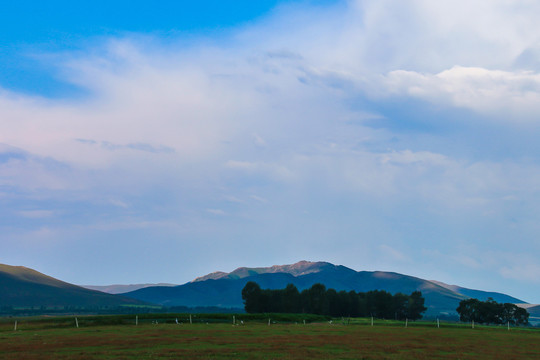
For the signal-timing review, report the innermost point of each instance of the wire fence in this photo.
(184, 319)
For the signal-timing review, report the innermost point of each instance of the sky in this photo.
(145, 142)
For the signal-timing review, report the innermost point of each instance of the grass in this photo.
(57, 338)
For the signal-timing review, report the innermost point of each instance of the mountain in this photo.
(224, 289)
(24, 287)
(481, 295)
(119, 289)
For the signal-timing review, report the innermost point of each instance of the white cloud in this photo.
(514, 95)
(274, 106)
(197, 101)
(410, 157)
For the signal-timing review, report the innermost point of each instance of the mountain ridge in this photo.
(224, 289)
(24, 287)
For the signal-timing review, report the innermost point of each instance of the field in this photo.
(58, 338)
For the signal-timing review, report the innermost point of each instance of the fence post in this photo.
(15, 326)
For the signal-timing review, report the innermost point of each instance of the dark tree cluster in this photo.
(321, 301)
(491, 312)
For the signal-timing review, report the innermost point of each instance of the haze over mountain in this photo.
(24, 287)
(119, 289)
(224, 289)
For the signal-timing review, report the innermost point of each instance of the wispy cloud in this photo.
(135, 146)
(258, 198)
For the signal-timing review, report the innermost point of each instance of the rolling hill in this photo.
(21, 287)
(224, 289)
(479, 294)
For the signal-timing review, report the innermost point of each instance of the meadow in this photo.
(117, 337)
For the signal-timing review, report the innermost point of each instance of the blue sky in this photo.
(147, 142)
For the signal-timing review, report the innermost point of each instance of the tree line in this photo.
(321, 301)
(491, 312)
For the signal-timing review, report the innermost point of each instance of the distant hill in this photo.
(534, 313)
(119, 289)
(24, 287)
(481, 295)
(224, 289)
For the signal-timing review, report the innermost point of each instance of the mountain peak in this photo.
(212, 276)
(300, 268)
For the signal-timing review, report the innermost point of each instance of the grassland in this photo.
(100, 338)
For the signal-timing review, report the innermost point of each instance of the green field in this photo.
(58, 338)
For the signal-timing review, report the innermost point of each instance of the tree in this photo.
(521, 316)
(415, 306)
(251, 294)
(491, 312)
(348, 303)
(334, 306)
(359, 304)
(401, 306)
(319, 300)
(468, 310)
(380, 304)
(315, 299)
(291, 299)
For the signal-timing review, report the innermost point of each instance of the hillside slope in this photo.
(24, 287)
(481, 295)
